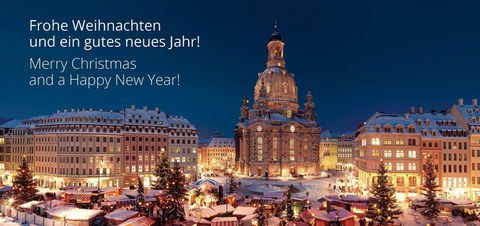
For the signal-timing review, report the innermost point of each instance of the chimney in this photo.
(65, 110)
(145, 108)
(460, 102)
(412, 110)
(406, 115)
(157, 110)
(420, 110)
(132, 107)
(72, 110)
(58, 111)
(90, 109)
(101, 110)
(433, 111)
(475, 102)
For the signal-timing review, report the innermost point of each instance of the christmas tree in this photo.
(176, 194)
(140, 198)
(289, 203)
(232, 183)
(382, 207)
(24, 186)
(261, 216)
(162, 171)
(430, 209)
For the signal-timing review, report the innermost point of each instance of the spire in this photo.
(245, 109)
(310, 107)
(275, 36)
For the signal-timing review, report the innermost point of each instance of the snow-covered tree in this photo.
(430, 187)
(382, 206)
(162, 171)
(24, 186)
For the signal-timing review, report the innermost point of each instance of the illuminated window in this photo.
(387, 153)
(259, 149)
(292, 149)
(375, 141)
(412, 154)
(140, 168)
(275, 149)
(400, 166)
(289, 113)
(364, 142)
(375, 153)
(399, 142)
(388, 165)
(387, 142)
(412, 166)
(400, 154)
(134, 169)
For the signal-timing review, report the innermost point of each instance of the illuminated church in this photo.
(274, 136)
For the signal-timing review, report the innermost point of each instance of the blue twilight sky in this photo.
(358, 57)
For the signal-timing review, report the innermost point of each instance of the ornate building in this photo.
(275, 136)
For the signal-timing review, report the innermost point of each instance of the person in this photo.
(307, 193)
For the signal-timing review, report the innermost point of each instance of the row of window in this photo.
(388, 153)
(400, 166)
(453, 169)
(454, 155)
(398, 142)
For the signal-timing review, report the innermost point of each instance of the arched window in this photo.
(259, 149)
(292, 149)
(275, 149)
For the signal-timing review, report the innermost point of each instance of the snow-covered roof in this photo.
(224, 219)
(225, 208)
(221, 142)
(138, 221)
(61, 211)
(82, 214)
(11, 124)
(208, 212)
(244, 210)
(30, 204)
(121, 214)
(432, 125)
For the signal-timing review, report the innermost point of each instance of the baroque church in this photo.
(274, 137)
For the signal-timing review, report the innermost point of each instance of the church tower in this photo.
(282, 92)
(275, 136)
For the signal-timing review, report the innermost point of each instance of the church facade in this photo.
(274, 136)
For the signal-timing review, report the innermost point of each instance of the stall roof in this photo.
(121, 215)
(244, 211)
(82, 214)
(138, 221)
(223, 208)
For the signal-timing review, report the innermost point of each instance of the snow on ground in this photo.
(8, 221)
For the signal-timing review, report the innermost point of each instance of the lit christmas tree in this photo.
(430, 209)
(162, 171)
(289, 203)
(261, 216)
(140, 200)
(232, 183)
(382, 207)
(24, 186)
(177, 194)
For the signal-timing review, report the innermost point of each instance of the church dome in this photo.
(281, 88)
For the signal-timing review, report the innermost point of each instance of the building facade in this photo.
(100, 148)
(346, 145)
(328, 151)
(274, 136)
(404, 142)
(218, 153)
